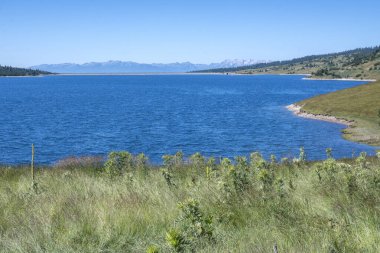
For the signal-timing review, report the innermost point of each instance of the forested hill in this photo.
(359, 63)
(12, 71)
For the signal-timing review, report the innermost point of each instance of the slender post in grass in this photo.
(32, 164)
(275, 248)
(32, 168)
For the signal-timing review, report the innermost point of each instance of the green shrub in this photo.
(257, 162)
(168, 161)
(193, 226)
(327, 170)
(361, 161)
(329, 153)
(118, 163)
(266, 178)
(197, 160)
(178, 158)
(141, 161)
(173, 161)
(240, 174)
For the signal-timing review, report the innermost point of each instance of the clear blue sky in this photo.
(56, 31)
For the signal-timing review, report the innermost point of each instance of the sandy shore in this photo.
(297, 110)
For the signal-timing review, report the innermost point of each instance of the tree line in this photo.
(12, 71)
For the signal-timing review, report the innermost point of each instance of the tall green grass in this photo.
(193, 205)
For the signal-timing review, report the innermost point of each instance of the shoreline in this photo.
(297, 110)
(339, 79)
(306, 76)
(135, 74)
(25, 76)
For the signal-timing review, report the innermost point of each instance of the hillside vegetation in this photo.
(362, 63)
(197, 205)
(12, 71)
(360, 104)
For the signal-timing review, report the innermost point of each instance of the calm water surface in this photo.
(217, 115)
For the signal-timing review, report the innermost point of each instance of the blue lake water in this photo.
(217, 115)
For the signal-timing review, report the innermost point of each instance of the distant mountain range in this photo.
(134, 67)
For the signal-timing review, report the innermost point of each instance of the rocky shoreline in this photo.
(297, 110)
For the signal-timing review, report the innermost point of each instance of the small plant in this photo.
(266, 178)
(211, 168)
(226, 167)
(235, 177)
(176, 240)
(327, 169)
(350, 182)
(178, 158)
(152, 249)
(211, 163)
(197, 160)
(194, 222)
(361, 161)
(226, 164)
(302, 155)
(257, 161)
(285, 161)
(280, 187)
(241, 163)
(273, 160)
(168, 177)
(193, 226)
(168, 161)
(208, 172)
(329, 153)
(240, 174)
(141, 161)
(301, 158)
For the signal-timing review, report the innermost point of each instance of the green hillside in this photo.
(12, 71)
(362, 63)
(361, 104)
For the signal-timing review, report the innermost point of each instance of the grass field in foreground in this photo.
(246, 205)
(361, 104)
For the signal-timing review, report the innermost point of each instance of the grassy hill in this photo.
(246, 205)
(361, 104)
(12, 71)
(362, 63)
